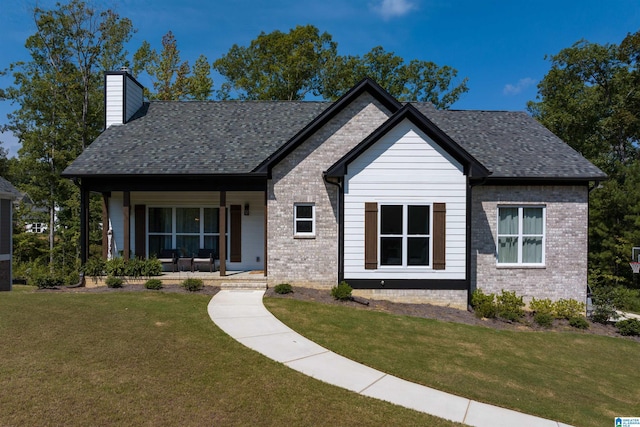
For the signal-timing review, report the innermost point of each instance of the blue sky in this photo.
(499, 45)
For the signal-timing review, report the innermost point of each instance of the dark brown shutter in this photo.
(370, 236)
(439, 235)
(5, 226)
(235, 231)
(141, 231)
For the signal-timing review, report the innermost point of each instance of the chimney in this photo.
(123, 96)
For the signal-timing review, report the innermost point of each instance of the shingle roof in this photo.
(234, 137)
(7, 188)
(230, 137)
(512, 144)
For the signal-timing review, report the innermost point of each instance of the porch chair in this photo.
(206, 256)
(169, 256)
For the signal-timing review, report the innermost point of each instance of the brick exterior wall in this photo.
(564, 274)
(298, 179)
(444, 297)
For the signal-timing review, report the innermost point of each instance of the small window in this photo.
(521, 235)
(304, 218)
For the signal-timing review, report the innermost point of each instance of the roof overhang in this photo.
(472, 167)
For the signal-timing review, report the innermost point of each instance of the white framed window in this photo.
(304, 220)
(405, 235)
(186, 229)
(521, 235)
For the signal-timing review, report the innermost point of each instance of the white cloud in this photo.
(522, 84)
(393, 8)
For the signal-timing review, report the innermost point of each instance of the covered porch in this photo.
(145, 217)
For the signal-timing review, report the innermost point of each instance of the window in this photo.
(521, 235)
(405, 235)
(304, 219)
(185, 228)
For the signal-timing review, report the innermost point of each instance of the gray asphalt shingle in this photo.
(234, 137)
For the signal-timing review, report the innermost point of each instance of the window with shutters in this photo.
(304, 220)
(405, 235)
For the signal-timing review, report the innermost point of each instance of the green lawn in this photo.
(149, 359)
(576, 378)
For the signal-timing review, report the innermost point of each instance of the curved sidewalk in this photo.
(242, 315)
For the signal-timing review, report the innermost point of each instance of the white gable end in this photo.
(405, 167)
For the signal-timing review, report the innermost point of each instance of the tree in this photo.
(278, 66)
(302, 62)
(59, 93)
(171, 78)
(416, 81)
(589, 98)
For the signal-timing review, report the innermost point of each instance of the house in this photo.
(8, 193)
(402, 201)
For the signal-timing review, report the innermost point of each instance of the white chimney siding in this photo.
(123, 97)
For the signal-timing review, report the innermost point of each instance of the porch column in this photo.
(84, 225)
(222, 244)
(105, 225)
(266, 240)
(126, 212)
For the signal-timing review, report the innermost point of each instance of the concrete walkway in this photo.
(242, 315)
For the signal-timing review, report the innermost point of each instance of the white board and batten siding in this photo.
(123, 97)
(405, 167)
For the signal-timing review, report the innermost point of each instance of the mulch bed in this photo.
(427, 311)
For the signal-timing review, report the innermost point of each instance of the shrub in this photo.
(509, 306)
(134, 267)
(192, 285)
(115, 267)
(629, 327)
(154, 284)
(568, 308)
(541, 305)
(544, 319)
(48, 282)
(114, 282)
(342, 292)
(94, 267)
(579, 322)
(152, 267)
(604, 306)
(283, 288)
(483, 304)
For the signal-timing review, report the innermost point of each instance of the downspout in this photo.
(340, 202)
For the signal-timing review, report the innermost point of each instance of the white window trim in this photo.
(304, 235)
(405, 235)
(520, 237)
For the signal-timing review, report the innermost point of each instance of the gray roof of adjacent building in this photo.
(235, 137)
(7, 188)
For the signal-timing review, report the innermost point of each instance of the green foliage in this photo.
(509, 306)
(192, 284)
(544, 319)
(172, 79)
(483, 304)
(568, 308)
(579, 322)
(541, 305)
(604, 303)
(114, 282)
(94, 267)
(283, 288)
(589, 98)
(290, 66)
(48, 282)
(342, 292)
(154, 284)
(628, 327)
(115, 267)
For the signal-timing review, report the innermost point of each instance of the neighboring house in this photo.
(400, 200)
(8, 193)
(33, 216)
